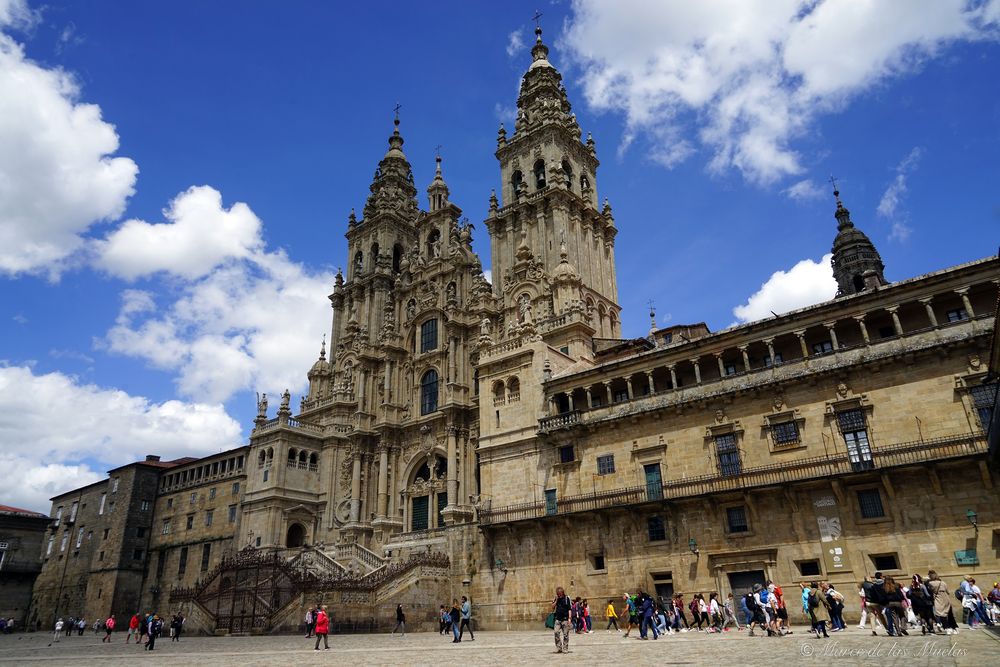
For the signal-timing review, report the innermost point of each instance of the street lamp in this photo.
(693, 546)
(972, 517)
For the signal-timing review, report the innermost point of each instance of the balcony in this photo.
(775, 474)
(564, 420)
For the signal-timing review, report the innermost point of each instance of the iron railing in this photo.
(774, 474)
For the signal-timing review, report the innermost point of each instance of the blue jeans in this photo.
(647, 622)
(454, 630)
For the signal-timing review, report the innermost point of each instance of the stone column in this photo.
(894, 311)
(833, 334)
(722, 366)
(801, 334)
(388, 381)
(930, 310)
(356, 486)
(746, 357)
(452, 465)
(652, 385)
(860, 319)
(383, 480)
(770, 349)
(697, 371)
(964, 293)
(628, 384)
(673, 375)
(607, 387)
(590, 399)
(569, 400)
(451, 359)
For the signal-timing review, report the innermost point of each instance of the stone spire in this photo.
(857, 266)
(392, 189)
(543, 98)
(437, 191)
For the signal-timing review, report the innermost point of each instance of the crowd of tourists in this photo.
(143, 628)
(923, 604)
(453, 621)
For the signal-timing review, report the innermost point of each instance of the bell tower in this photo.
(857, 265)
(549, 217)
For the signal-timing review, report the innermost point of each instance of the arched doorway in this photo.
(296, 535)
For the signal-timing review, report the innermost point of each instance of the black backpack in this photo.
(874, 593)
(751, 603)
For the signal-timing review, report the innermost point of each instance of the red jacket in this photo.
(322, 623)
(134, 623)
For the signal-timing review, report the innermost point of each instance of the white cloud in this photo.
(805, 284)
(747, 78)
(20, 319)
(894, 193)
(58, 173)
(805, 190)
(515, 43)
(200, 234)
(240, 317)
(99, 428)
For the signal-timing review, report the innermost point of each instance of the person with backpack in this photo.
(154, 628)
(630, 617)
(874, 589)
(561, 607)
(836, 603)
(757, 617)
(819, 613)
(922, 604)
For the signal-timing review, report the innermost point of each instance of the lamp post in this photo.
(972, 517)
(693, 546)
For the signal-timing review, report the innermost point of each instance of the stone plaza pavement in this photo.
(853, 647)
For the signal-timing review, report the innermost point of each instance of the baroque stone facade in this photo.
(497, 440)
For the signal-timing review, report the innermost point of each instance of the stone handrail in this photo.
(505, 346)
(360, 553)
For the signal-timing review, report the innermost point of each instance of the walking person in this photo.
(81, 625)
(612, 616)
(630, 614)
(819, 613)
(456, 615)
(730, 614)
(836, 602)
(561, 606)
(466, 620)
(400, 620)
(154, 628)
(943, 613)
(874, 590)
(894, 606)
(176, 625)
(922, 604)
(310, 621)
(322, 628)
(647, 617)
(57, 631)
(444, 621)
(109, 627)
(133, 628)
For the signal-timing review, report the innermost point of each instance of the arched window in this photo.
(429, 392)
(429, 335)
(270, 453)
(397, 256)
(513, 389)
(374, 255)
(296, 536)
(859, 283)
(262, 457)
(517, 183)
(539, 171)
(498, 393)
(302, 457)
(291, 455)
(568, 174)
(313, 461)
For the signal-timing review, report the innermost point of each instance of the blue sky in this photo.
(125, 331)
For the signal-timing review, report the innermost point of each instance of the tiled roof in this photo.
(7, 509)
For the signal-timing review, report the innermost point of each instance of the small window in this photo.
(206, 555)
(429, 335)
(566, 454)
(137, 554)
(870, 502)
(822, 347)
(728, 453)
(100, 507)
(208, 517)
(597, 562)
(211, 494)
(957, 315)
(620, 396)
(606, 464)
(785, 434)
(114, 484)
(778, 359)
(232, 514)
(189, 524)
(265, 475)
(194, 498)
(656, 529)
(170, 503)
(257, 542)
(565, 350)
(736, 519)
(140, 532)
(809, 568)
(107, 531)
(730, 369)
(596, 400)
(885, 561)
(100, 555)
(668, 338)
(182, 562)
(165, 530)
(983, 400)
(144, 506)
(236, 488)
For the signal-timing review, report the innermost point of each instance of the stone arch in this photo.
(313, 459)
(302, 456)
(270, 453)
(539, 172)
(517, 183)
(498, 391)
(292, 454)
(359, 261)
(567, 173)
(397, 257)
(513, 386)
(858, 282)
(374, 255)
(296, 535)
(584, 183)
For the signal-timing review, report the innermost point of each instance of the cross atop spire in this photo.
(395, 111)
(836, 190)
(537, 18)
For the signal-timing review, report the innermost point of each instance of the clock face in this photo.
(343, 512)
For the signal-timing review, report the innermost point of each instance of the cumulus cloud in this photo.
(804, 190)
(238, 317)
(515, 43)
(58, 172)
(103, 428)
(805, 284)
(889, 206)
(200, 234)
(746, 79)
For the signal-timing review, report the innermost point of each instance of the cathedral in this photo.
(498, 440)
